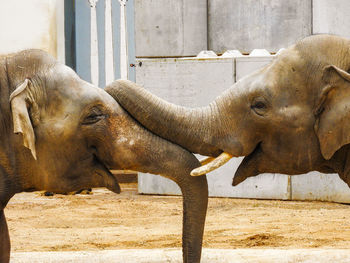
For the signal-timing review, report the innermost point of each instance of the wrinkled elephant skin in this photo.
(61, 134)
(291, 117)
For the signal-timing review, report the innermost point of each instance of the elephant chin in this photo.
(248, 167)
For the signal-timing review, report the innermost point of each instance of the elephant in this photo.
(291, 117)
(61, 134)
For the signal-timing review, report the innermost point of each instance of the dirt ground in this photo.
(105, 220)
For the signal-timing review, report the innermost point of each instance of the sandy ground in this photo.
(167, 255)
(105, 220)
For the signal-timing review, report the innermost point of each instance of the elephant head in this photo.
(291, 117)
(63, 134)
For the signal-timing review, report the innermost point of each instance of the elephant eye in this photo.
(94, 116)
(91, 119)
(259, 107)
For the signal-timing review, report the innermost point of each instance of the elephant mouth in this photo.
(256, 150)
(248, 166)
(212, 163)
(101, 169)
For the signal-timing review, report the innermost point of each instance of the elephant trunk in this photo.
(193, 129)
(195, 202)
(171, 161)
(149, 153)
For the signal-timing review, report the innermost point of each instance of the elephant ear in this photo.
(19, 101)
(333, 111)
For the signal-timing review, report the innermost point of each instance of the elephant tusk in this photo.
(210, 164)
(206, 160)
(124, 171)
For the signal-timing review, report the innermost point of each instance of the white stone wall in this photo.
(332, 17)
(32, 24)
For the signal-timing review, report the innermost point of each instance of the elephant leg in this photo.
(4, 239)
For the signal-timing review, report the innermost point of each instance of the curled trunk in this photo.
(193, 129)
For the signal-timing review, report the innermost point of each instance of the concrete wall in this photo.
(188, 82)
(331, 16)
(248, 64)
(167, 28)
(318, 186)
(249, 24)
(32, 24)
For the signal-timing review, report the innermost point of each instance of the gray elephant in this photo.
(60, 134)
(292, 116)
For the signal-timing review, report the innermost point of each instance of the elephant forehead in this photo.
(63, 102)
(75, 97)
(286, 81)
(64, 82)
(255, 85)
(68, 96)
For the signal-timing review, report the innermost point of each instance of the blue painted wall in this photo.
(79, 42)
(82, 39)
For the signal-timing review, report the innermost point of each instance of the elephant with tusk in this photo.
(61, 134)
(291, 117)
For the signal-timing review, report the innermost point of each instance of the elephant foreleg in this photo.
(4, 239)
